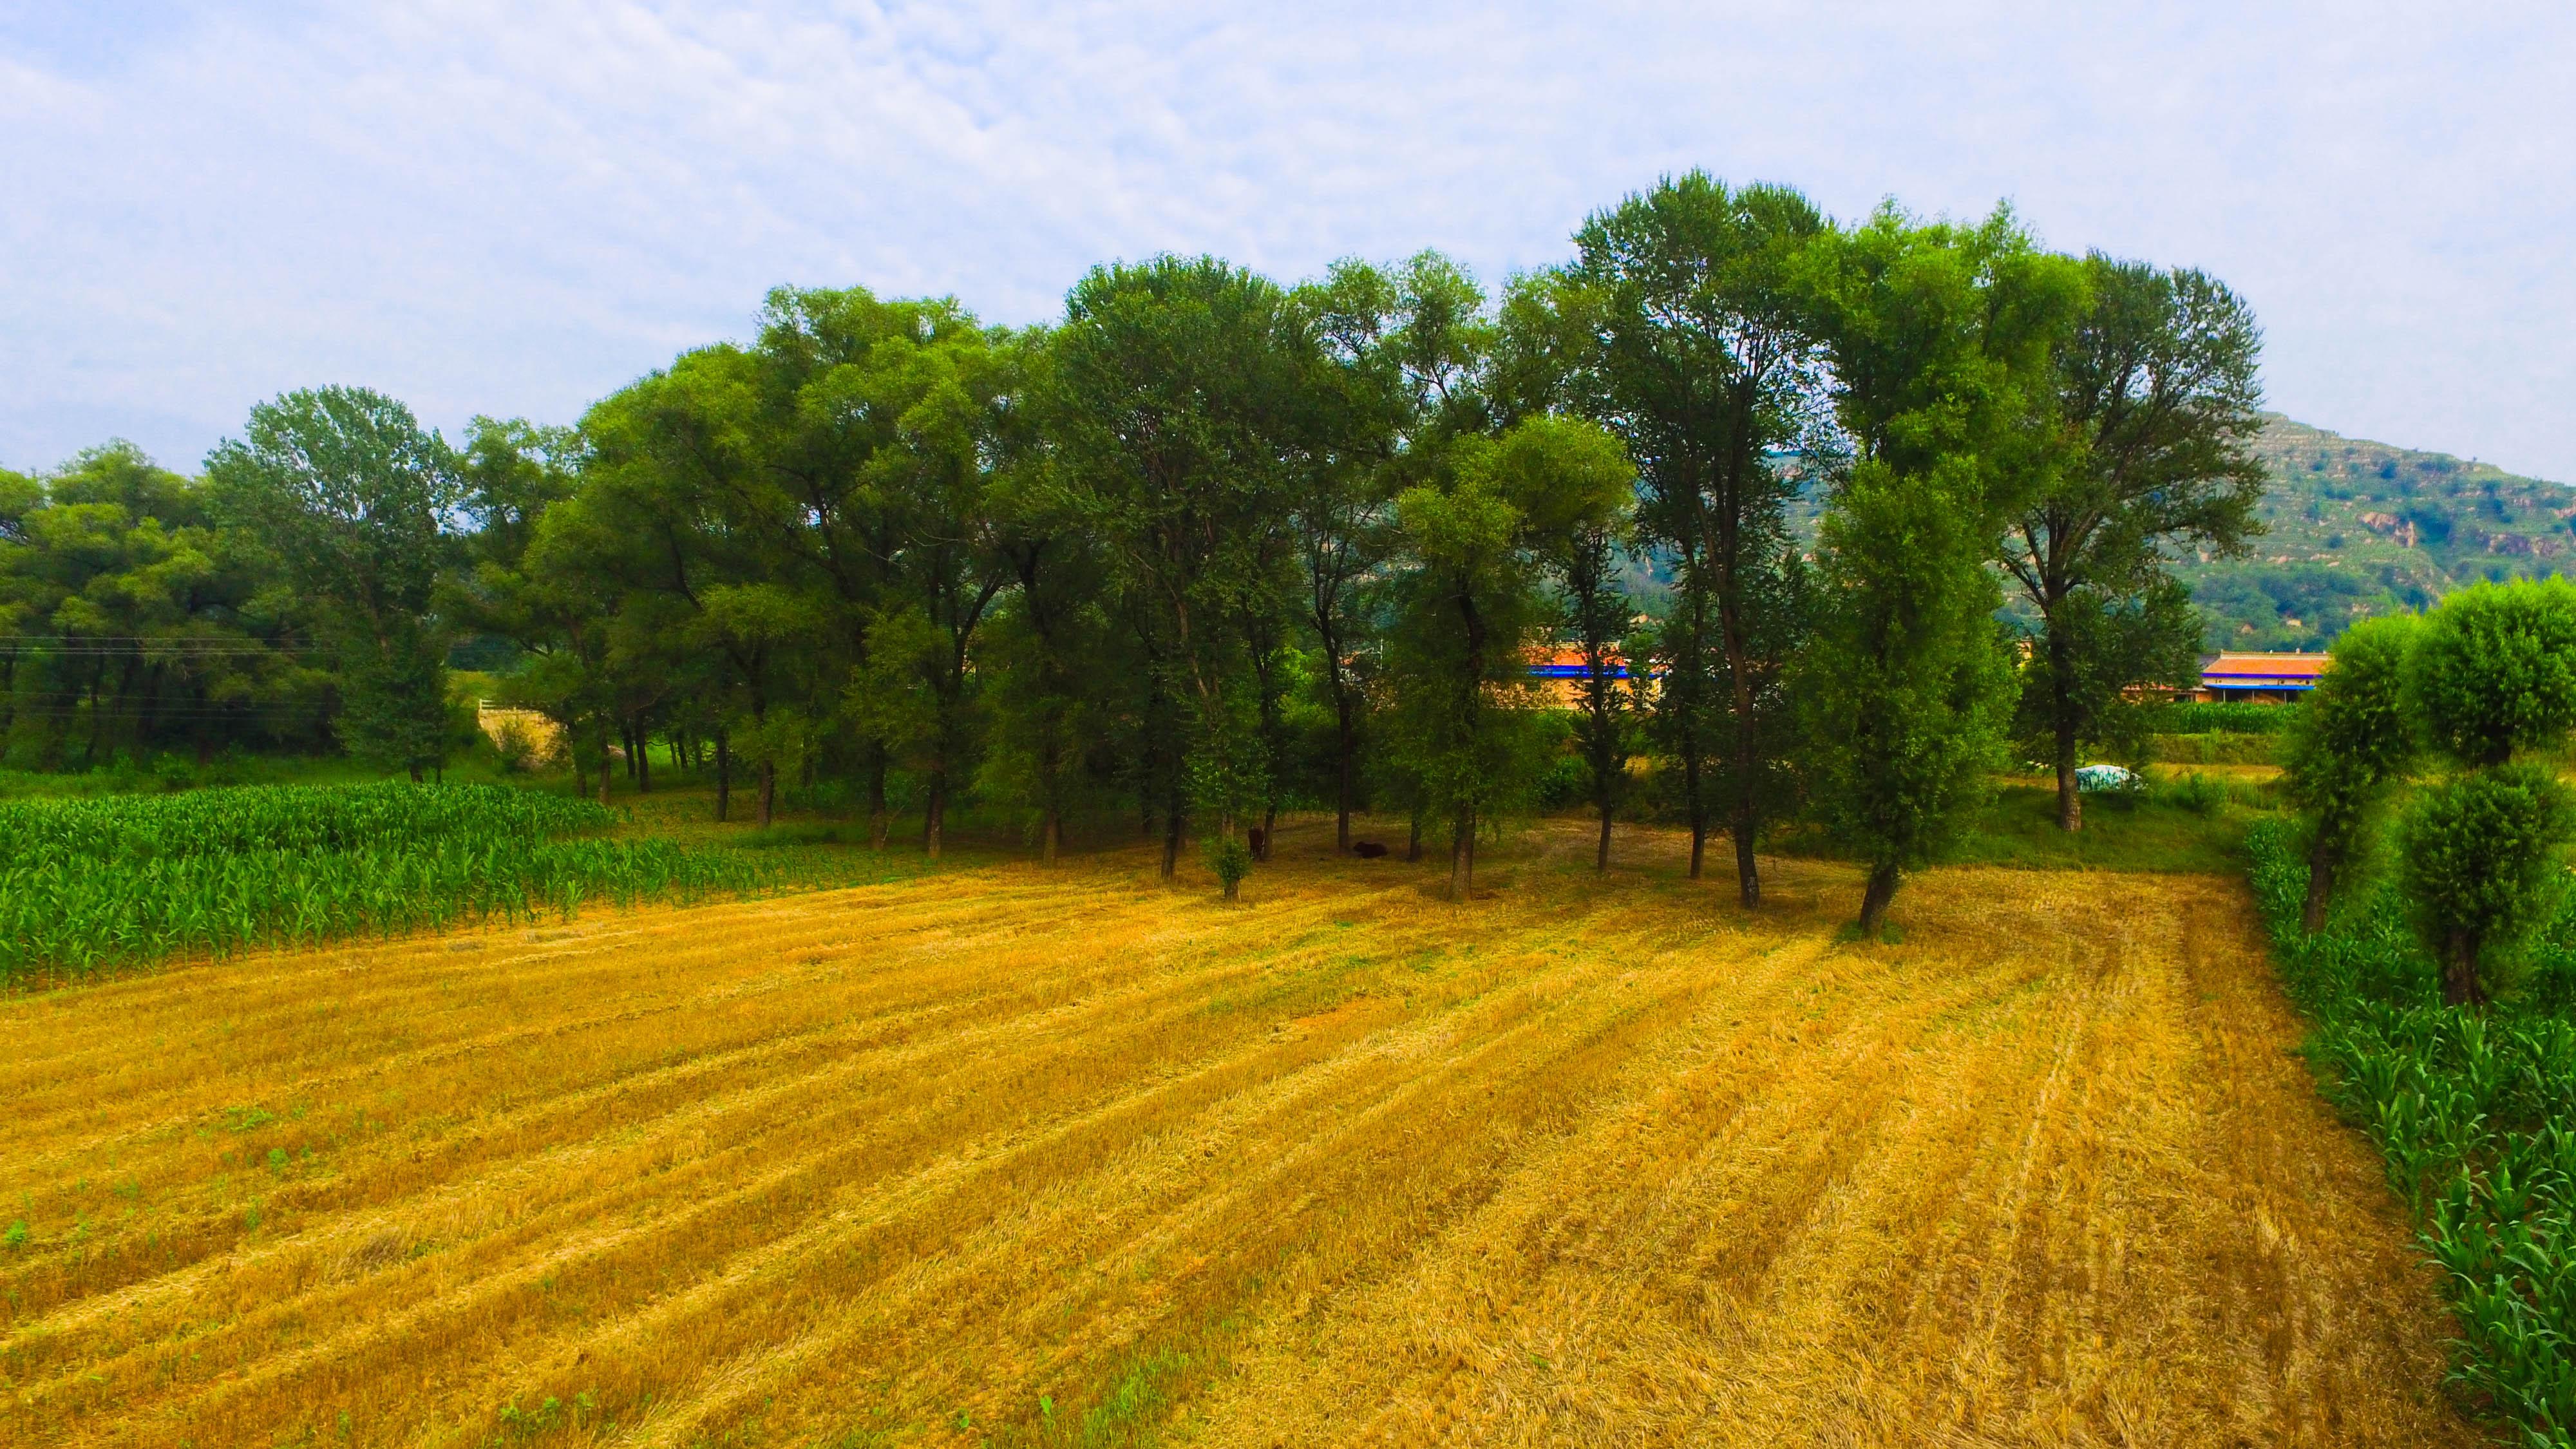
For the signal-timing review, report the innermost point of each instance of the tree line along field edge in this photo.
(1118, 554)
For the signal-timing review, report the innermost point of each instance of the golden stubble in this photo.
(1057, 1155)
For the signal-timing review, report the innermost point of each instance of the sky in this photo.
(514, 208)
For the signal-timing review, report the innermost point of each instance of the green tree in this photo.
(1708, 363)
(355, 498)
(2158, 395)
(1340, 504)
(2482, 871)
(2354, 739)
(2494, 670)
(133, 621)
(680, 538)
(2492, 673)
(1049, 659)
(883, 452)
(1471, 604)
(1581, 550)
(1173, 389)
(1048, 652)
(1942, 341)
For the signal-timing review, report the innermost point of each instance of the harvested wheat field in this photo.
(1058, 1156)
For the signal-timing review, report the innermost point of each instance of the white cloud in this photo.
(514, 207)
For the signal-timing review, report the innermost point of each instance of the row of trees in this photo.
(2475, 690)
(1209, 545)
(137, 618)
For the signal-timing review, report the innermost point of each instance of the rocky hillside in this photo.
(2357, 528)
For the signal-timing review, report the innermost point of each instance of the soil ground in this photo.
(1029, 1155)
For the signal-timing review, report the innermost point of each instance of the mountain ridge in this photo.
(2355, 528)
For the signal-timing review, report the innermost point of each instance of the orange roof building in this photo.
(1560, 672)
(2260, 678)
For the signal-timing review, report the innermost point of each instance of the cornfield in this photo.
(86, 884)
(2477, 1118)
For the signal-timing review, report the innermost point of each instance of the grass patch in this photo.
(2176, 827)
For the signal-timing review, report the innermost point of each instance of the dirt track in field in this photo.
(1037, 1156)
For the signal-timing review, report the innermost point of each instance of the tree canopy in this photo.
(1207, 548)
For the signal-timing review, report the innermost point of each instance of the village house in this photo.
(2258, 678)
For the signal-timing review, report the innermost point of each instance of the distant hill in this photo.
(2352, 529)
(2357, 528)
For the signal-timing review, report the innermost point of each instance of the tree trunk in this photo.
(628, 735)
(415, 779)
(724, 775)
(768, 793)
(1172, 841)
(1744, 814)
(2070, 804)
(934, 820)
(605, 769)
(1225, 833)
(2460, 984)
(149, 710)
(1345, 770)
(1462, 856)
(1050, 836)
(643, 762)
(879, 821)
(1874, 898)
(1601, 857)
(1269, 829)
(97, 719)
(2321, 874)
(1697, 807)
(1413, 837)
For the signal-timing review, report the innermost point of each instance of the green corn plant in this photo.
(119, 880)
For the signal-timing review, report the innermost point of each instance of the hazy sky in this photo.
(512, 208)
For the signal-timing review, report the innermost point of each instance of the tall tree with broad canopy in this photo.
(2492, 675)
(356, 499)
(1343, 491)
(1708, 365)
(1047, 655)
(2353, 740)
(943, 390)
(1943, 340)
(1173, 388)
(1471, 603)
(674, 507)
(1581, 552)
(2158, 395)
(875, 421)
(1405, 355)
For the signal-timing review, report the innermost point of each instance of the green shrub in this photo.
(2481, 853)
(2197, 793)
(1231, 859)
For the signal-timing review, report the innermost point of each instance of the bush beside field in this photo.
(2476, 1115)
(92, 883)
